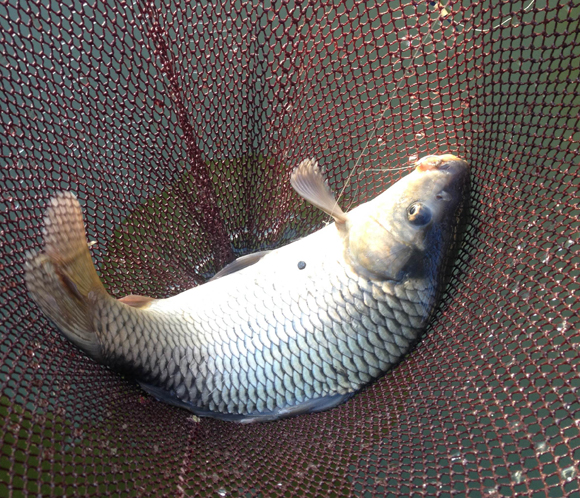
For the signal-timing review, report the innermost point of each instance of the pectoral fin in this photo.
(308, 181)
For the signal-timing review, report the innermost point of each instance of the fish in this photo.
(299, 329)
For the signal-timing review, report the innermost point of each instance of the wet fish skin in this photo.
(300, 330)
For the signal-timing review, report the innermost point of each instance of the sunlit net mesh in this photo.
(177, 126)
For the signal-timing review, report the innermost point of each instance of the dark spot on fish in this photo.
(301, 265)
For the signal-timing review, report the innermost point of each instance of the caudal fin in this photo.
(63, 280)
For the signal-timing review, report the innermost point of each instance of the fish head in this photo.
(412, 224)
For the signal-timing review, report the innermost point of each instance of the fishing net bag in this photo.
(177, 126)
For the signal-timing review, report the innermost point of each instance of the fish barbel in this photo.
(294, 330)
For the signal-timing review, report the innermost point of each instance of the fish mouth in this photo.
(444, 162)
(453, 169)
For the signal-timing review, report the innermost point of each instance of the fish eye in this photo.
(418, 214)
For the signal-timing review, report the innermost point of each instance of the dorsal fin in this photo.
(136, 301)
(308, 181)
(239, 264)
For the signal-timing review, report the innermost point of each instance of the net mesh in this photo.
(177, 125)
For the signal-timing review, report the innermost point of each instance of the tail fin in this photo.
(63, 280)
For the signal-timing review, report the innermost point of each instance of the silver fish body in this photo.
(299, 330)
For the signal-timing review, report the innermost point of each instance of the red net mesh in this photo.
(177, 125)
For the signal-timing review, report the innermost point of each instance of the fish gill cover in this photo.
(177, 125)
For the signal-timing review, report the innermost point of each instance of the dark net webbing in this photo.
(177, 126)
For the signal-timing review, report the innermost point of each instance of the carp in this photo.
(277, 333)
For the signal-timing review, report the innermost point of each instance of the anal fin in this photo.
(136, 301)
